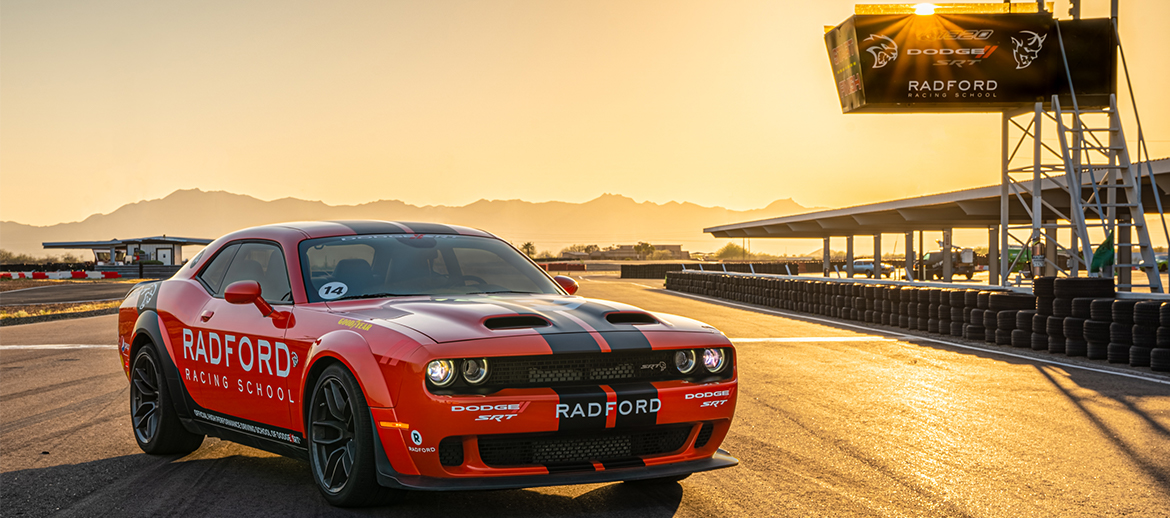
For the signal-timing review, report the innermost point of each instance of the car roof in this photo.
(315, 229)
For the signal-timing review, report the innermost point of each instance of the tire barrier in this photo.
(60, 275)
(1160, 354)
(659, 271)
(1073, 316)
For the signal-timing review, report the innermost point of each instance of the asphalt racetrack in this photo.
(71, 292)
(833, 419)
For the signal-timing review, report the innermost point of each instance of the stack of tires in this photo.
(1042, 288)
(1146, 319)
(1006, 306)
(1022, 334)
(1121, 331)
(1074, 327)
(1063, 322)
(976, 330)
(1160, 356)
(956, 298)
(970, 304)
(1096, 329)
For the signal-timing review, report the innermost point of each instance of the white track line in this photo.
(57, 346)
(65, 302)
(815, 339)
(917, 337)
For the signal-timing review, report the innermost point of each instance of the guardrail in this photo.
(1073, 316)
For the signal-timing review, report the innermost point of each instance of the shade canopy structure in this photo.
(969, 208)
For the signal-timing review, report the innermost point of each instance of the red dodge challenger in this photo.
(419, 356)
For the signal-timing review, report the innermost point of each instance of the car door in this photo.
(240, 350)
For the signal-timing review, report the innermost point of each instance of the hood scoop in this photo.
(515, 322)
(630, 318)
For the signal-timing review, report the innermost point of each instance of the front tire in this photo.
(341, 442)
(156, 424)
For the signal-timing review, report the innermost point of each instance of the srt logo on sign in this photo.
(883, 54)
(1028, 47)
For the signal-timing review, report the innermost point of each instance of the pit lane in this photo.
(831, 420)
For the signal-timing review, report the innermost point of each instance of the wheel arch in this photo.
(351, 350)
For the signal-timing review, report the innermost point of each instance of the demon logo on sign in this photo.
(883, 53)
(1028, 47)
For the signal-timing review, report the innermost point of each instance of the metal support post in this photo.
(825, 254)
(1124, 253)
(910, 256)
(948, 268)
(1050, 253)
(921, 264)
(996, 276)
(877, 255)
(849, 257)
(998, 271)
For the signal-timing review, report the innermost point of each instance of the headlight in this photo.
(714, 360)
(685, 361)
(441, 372)
(475, 371)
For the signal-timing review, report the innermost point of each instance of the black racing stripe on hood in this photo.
(429, 228)
(642, 398)
(371, 227)
(564, 336)
(631, 340)
(578, 400)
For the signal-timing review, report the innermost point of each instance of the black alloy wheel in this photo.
(156, 425)
(341, 451)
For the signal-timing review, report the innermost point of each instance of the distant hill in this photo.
(607, 220)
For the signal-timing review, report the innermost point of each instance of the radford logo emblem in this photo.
(1028, 47)
(883, 53)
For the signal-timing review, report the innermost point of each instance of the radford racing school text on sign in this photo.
(916, 63)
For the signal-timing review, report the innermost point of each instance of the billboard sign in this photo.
(961, 62)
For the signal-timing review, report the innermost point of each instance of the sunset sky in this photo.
(447, 102)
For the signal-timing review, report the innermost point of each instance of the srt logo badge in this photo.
(416, 437)
(883, 54)
(1028, 47)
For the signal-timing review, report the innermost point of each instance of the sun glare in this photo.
(924, 9)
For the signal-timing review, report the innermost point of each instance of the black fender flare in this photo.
(148, 326)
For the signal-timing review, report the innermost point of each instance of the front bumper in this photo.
(387, 477)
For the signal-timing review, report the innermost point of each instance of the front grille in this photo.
(451, 451)
(517, 450)
(558, 369)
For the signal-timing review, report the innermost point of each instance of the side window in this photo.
(212, 276)
(263, 263)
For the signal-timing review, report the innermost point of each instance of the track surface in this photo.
(72, 292)
(831, 421)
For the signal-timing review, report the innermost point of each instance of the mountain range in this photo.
(607, 220)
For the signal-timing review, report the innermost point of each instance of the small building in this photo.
(116, 252)
(623, 252)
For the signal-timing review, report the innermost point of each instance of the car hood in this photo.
(450, 319)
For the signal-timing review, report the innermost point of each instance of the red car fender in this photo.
(351, 349)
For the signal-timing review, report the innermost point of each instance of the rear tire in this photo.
(156, 425)
(341, 442)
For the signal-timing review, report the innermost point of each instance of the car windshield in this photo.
(393, 265)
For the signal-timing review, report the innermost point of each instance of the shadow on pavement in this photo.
(240, 485)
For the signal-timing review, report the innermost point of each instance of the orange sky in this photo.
(443, 102)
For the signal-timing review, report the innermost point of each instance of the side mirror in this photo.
(567, 283)
(247, 292)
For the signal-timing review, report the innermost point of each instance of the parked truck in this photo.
(962, 263)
